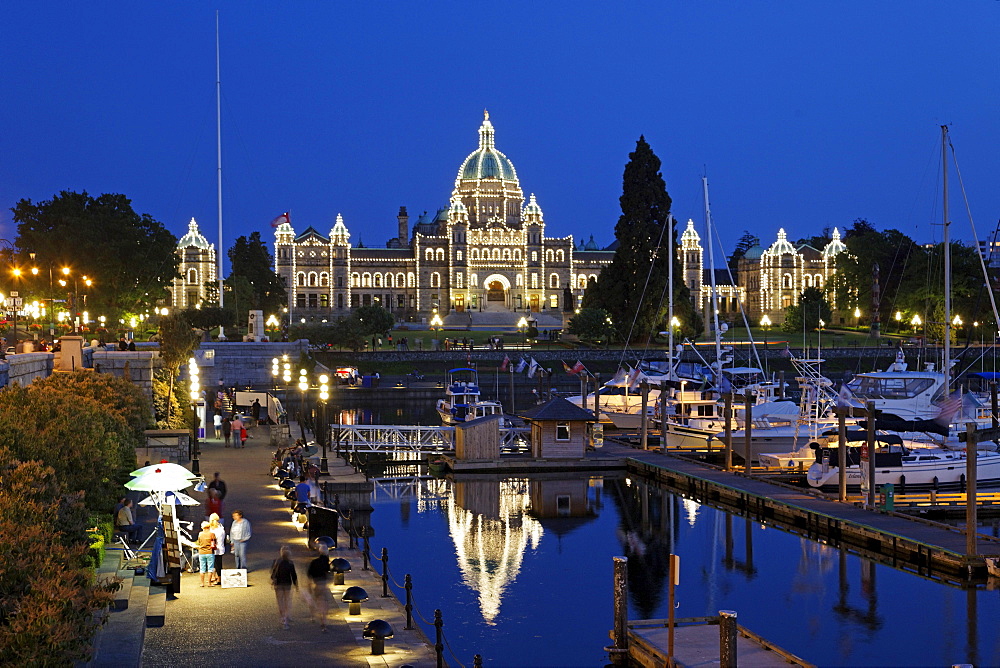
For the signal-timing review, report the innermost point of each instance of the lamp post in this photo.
(195, 393)
(857, 318)
(303, 386)
(916, 322)
(522, 326)
(765, 322)
(275, 372)
(899, 318)
(819, 334)
(324, 435)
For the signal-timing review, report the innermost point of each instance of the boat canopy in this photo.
(742, 370)
(460, 369)
(785, 409)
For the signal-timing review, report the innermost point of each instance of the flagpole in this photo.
(670, 295)
(218, 155)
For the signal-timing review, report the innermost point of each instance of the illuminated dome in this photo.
(835, 246)
(194, 238)
(487, 162)
(782, 246)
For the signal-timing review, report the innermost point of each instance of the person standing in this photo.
(217, 421)
(237, 429)
(283, 577)
(206, 550)
(302, 490)
(244, 435)
(227, 429)
(213, 504)
(218, 484)
(255, 410)
(219, 531)
(239, 533)
(319, 569)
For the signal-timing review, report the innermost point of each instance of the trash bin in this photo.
(888, 497)
(322, 522)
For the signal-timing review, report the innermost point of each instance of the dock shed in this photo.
(559, 429)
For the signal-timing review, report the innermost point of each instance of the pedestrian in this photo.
(237, 428)
(217, 421)
(219, 531)
(319, 570)
(227, 429)
(131, 345)
(243, 437)
(125, 523)
(206, 553)
(218, 484)
(213, 504)
(122, 343)
(255, 410)
(239, 533)
(375, 379)
(283, 576)
(302, 490)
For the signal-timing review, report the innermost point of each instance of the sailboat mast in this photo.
(670, 293)
(218, 157)
(711, 274)
(947, 260)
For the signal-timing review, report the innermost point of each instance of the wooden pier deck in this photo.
(927, 548)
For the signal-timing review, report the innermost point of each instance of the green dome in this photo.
(486, 162)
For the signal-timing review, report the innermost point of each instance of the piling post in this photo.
(747, 429)
(842, 454)
(870, 443)
(619, 651)
(408, 586)
(438, 638)
(971, 466)
(364, 549)
(727, 415)
(597, 397)
(663, 417)
(994, 409)
(644, 428)
(781, 385)
(385, 572)
(727, 639)
(673, 575)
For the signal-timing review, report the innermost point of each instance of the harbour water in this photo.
(522, 571)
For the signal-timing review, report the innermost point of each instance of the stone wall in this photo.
(141, 364)
(240, 364)
(24, 368)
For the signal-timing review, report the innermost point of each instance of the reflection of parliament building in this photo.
(487, 252)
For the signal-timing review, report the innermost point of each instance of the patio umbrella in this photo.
(160, 480)
(164, 466)
(175, 498)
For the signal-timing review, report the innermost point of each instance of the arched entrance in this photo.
(497, 291)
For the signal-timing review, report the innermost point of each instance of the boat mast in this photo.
(670, 293)
(711, 274)
(947, 260)
(218, 157)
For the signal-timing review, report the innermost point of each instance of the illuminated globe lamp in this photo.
(194, 387)
(303, 387)
(324, 396)
(275, 372)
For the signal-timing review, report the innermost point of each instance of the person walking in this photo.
(244, 435)
(218, 484)
(206, 550)
(213, 504)
(283, 577)
(219, 531)
(318, 571)
(239, 533)
(302, 490)
(255, 410)
(217, 421)
(227, 429)
(237, 430)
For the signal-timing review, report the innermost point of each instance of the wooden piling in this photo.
(619, 652)
(870, 443)
(971, 466)
(644, 428)
(747, 428)
(842, 454)
(727, 414)
(727, 639)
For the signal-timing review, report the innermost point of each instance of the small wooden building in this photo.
(478, 439)
(559, 430)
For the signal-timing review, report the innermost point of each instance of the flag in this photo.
(505, 363)
(283, 218)
(786, 352)
(532, 368)
(634, 376)
(522, 364)
(845, 397)
(578, 367)
(567, 368)
(949, 408)
(619, 377)
(724, 386)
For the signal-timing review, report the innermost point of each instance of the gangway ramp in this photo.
(391, 438)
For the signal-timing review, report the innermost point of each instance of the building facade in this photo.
(486, 252)
(197, 270)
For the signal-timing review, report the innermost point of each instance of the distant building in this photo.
(766, 282)
(197, 269)
(487, 252)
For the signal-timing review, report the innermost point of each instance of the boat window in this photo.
(612, 391)
(877, 387)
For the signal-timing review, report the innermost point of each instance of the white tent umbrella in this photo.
(176, 498)
(160, 481)
(166, 467)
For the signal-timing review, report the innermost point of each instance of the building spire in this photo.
(486, 132)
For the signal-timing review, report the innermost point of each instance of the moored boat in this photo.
(463, 401)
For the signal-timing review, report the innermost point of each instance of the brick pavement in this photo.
(229, 627)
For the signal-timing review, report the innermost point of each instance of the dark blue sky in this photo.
(805, 115)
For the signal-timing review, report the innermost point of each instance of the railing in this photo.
(414, 439)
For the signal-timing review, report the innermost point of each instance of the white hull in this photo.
(918, 475)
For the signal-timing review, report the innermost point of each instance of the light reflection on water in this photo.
(522, 571)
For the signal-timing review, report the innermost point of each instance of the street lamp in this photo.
(303, 386)
(857, 317)
(324, 435)
(275, 372)
(765, 322)
(899, 318)
(194, 387)
(522, 326)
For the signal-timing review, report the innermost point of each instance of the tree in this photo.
(208, 318)
(373, 320)
(130, 258)
(253, 263)
(631, 288)
(806, 315)
(591, 324)
(746, 242)
(177, 342)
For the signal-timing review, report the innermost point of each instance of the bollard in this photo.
(408, 585)
(377, 631)
(364, 552)
(385, 572)
(727, 639)
(438, 636)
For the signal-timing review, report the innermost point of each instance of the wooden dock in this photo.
(696, 643)
(927, 548)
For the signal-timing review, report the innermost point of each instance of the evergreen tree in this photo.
(632, 288)
(252, 263)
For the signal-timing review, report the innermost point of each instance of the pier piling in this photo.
(727, 638)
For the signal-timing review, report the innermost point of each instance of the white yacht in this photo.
(462, 401)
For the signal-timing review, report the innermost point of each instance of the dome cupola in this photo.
(487, 184)
(338, 233)
(194, 238)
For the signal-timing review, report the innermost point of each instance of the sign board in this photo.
(233, 578)
(598, 435)
(172, 537)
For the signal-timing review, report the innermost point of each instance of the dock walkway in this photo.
(928, 548)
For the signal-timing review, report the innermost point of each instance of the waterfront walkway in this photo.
(240, 627)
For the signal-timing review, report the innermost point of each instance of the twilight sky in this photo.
(805, 115)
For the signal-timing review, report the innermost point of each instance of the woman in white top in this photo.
(218, 425)
(215, 526)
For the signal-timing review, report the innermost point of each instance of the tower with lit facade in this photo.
(197, 269)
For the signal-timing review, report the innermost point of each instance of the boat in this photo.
(908, 468)
(462, 401)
